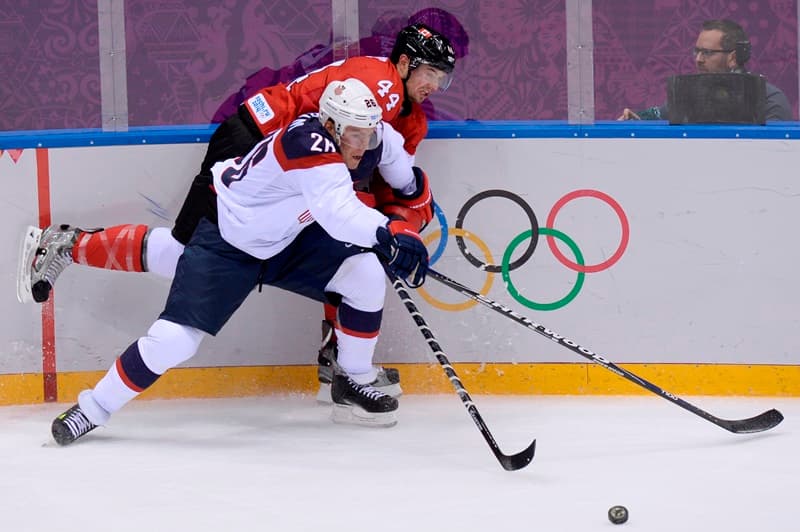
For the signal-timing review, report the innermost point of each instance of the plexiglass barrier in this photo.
(113, 65)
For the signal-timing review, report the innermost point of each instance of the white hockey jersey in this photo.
(296, 176)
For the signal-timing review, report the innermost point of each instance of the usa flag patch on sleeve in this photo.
(260, 109)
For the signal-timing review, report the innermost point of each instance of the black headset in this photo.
(742, 50)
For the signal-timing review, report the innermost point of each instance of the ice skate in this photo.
(387, 381)
(27, 249)
(78, 420)
(361, 404)
(43, 256)
(71, 425)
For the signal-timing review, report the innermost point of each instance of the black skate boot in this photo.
(387, 381)
(71, 425)
(80, 419)
(361, 404)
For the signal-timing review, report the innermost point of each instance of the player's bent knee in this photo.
(361, 281)
(167, 344)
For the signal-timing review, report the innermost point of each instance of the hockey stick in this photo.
(509, 462)
(759, 423)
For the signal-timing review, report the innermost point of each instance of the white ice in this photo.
(278, 464)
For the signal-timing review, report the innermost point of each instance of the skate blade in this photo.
(324, 393)
(354, 415)
(27, 249)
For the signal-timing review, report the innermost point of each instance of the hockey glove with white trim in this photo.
(399, 212)
(420, 201)
(405, 254)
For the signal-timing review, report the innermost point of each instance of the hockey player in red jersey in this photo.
(287, 217)
(421, 63)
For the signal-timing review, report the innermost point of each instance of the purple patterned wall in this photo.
(515, 65)
(639, 44)
(49, 71)
(185, 57)
(183, 62)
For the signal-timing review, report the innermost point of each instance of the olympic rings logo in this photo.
(506, 265)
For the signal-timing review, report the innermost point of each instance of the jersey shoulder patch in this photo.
(305, 143)
(261, 109)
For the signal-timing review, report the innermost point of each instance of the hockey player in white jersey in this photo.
(421, 63)
(287, 217)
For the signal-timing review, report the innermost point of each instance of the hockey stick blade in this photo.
(759, 423)
(509, 462)
(519, 460)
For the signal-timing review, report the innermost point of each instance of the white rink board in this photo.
(708, 274)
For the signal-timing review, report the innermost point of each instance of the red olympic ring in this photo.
(623, 219)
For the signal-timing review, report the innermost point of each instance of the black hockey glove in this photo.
(405, 254)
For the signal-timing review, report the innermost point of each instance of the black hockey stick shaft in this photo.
(759, 423)
(509, 462)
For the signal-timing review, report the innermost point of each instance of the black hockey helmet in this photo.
(424, 45)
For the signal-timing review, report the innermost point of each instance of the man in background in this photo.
(722, 46)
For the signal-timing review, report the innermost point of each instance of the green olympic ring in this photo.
(507, 265)
(506, 270)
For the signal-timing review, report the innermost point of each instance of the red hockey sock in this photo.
(330, 312)
(114, 248)
(330, 317)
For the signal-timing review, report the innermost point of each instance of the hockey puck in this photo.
(617, 514)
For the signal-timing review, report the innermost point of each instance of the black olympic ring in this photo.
(496, 268)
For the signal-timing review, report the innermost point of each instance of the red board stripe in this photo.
(50, 381)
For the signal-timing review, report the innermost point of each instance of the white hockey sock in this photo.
(163, 252)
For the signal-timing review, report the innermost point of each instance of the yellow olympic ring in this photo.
(489, 277)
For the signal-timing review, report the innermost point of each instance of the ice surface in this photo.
(278, 464)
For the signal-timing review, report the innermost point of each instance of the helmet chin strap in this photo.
(405, 107)
(334, 131)
(409, 69)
